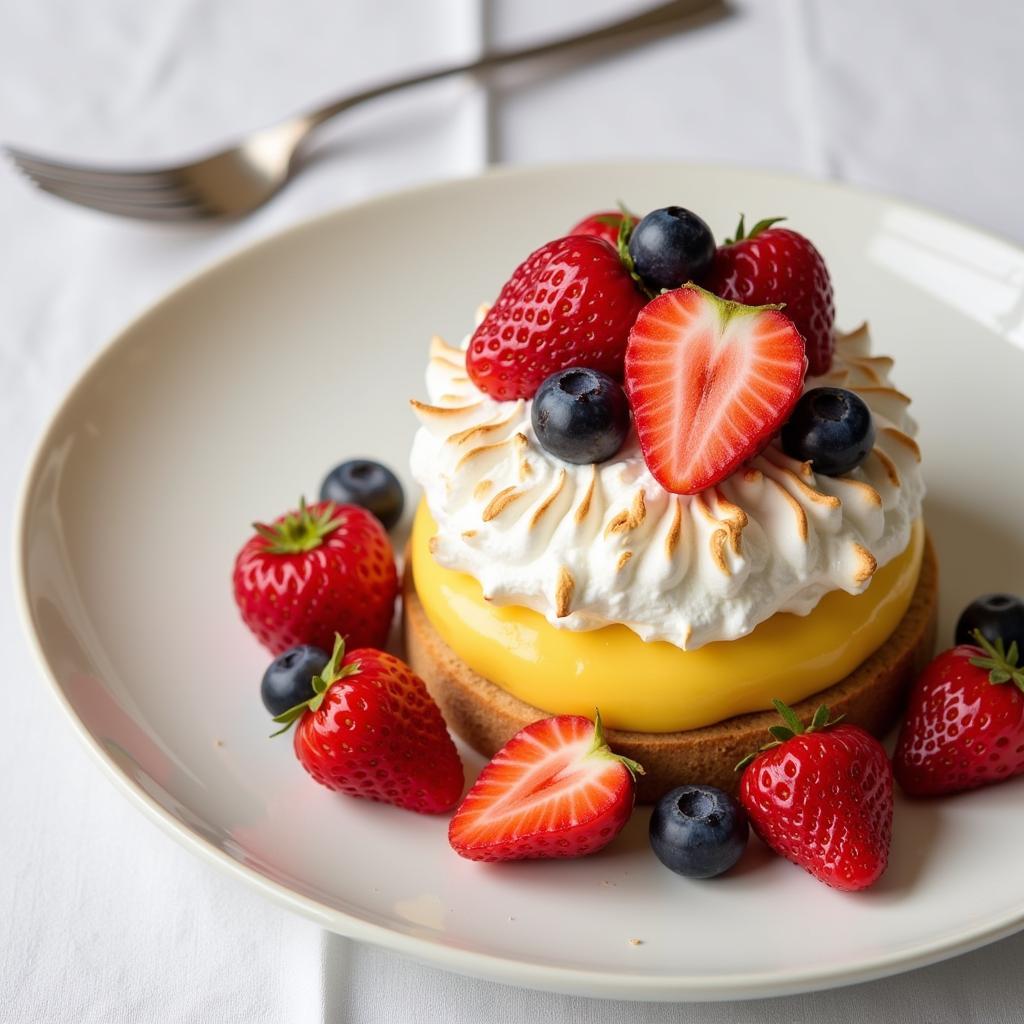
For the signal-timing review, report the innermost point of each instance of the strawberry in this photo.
(965, 721)
(372, 730)
(779, 265)
(606, 225)
(570, 303)
(554, 790)
(822, 798)
(321, 569)
(710, 382)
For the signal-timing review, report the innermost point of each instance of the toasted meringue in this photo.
(587, 546)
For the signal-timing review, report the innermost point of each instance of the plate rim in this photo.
(426, 949)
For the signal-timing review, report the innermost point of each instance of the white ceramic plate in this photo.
(233, 396)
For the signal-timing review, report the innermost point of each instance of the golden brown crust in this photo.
(486, 716)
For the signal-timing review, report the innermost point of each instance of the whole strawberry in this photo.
(371, 730)
(320, 570)
(607, 225)
(821, 796)
(965, 721)
(570, 303)
(779, 265)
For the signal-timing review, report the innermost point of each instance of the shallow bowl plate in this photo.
(234, 395)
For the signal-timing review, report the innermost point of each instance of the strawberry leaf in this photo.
(761, 225)
(751, 757)
(332, 672)
(820, 720)
(764, 225)
(286, 718)
(789, 716)
(301, 530)
(740, 232)
(622, 244)
(600, 748)
(1001, 663)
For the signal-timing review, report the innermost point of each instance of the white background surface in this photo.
(101, 917)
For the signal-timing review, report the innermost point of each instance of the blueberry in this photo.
(996, 615)
(670, 247)
(832, 429)
(698, 831)
(581, 415)
(366, 483)
(289, 679)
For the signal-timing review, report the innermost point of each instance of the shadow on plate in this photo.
(976, 556)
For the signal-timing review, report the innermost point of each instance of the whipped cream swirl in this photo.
(587, 546)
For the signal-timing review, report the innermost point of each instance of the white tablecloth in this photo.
(102, 918)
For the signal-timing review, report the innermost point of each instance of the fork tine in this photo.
(179, 195)
(58, 171)
(174, 199)
(185, 211)
(171, 192)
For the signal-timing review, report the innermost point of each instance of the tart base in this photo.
(872, 696)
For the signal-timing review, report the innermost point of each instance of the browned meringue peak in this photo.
(589, 545)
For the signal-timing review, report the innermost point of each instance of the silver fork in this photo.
(241, 177)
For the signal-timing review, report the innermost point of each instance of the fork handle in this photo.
(662, 14)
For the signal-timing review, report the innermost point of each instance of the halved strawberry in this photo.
(710, 382)
(554, 790)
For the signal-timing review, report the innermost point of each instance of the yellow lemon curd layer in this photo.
(656, 687)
